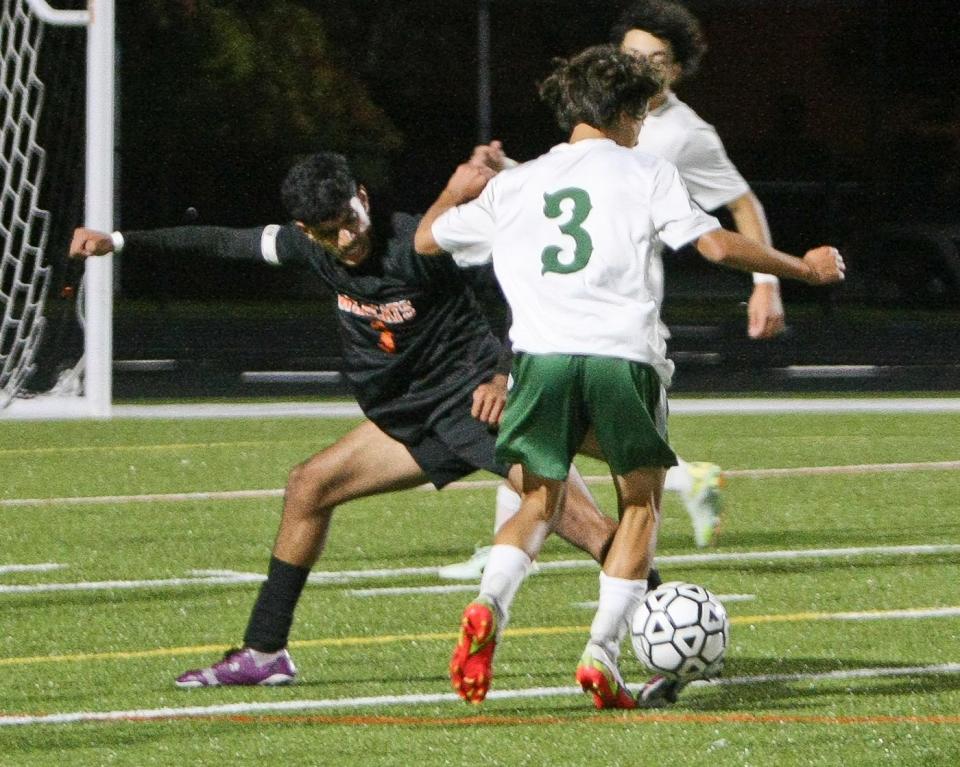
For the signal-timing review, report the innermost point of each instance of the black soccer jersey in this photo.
(415, 341)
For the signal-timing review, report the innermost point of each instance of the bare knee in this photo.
(309, 486)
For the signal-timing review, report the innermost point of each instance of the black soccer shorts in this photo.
(456, 445)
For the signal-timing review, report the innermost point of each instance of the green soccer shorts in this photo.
(555, 399)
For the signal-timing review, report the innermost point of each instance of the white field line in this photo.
(154, 447)
(787, 406)
(678, 406)
(328, 577)
(88, 500)
(212, 578)
(39, 568)
(725, 598)
(334, 577)
(884, 615)
(864, 468)
(826, 676)
(234, 709)
(343, 576)
(157, 583)
(744, 556)
(228, 495)
(405, 590)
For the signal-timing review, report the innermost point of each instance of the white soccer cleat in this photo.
(470, 570)
(703, 501)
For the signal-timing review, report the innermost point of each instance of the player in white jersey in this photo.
(666, 35)
(669, 37)
(572, 236)
(614, 311)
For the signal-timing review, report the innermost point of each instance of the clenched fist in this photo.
(826, 265)
(89, 242)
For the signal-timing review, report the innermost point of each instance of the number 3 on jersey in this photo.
(583, 245)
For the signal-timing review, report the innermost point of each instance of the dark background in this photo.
(844, 117)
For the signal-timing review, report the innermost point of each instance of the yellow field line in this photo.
(447, 636)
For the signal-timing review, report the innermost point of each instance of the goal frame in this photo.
(96, 399)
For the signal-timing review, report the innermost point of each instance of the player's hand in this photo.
(765, 311)
(826, 265)
(89, 242)
(489, 156)
(489, 399)
(467, 181)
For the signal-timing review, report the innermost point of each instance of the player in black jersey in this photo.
(420, 357)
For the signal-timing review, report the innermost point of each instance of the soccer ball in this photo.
(681, 631)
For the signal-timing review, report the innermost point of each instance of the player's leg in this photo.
(538, 433)
(628, 411)
(514, 549)
(591, 447)
(365, 461)
(623, 585)
(582, 524)
(699, 486)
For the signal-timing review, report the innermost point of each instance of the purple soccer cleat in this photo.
(239, 667)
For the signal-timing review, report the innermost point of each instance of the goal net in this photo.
(40, 132)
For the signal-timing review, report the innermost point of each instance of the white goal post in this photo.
(95, 398)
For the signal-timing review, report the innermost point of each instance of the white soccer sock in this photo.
(619, 599)
(508, 504)
(678, 479)
(505, 571)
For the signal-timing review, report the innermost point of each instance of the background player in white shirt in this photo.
(669, 37)
(572, 236)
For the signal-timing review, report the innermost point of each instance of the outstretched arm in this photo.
(820, 266)
(257, 244)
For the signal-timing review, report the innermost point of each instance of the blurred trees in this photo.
(217, 97)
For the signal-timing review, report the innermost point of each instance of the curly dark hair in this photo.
(669, 21)
(318, 188)
(597, 85)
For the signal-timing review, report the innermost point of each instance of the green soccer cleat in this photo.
(597, 674)
(703, 501)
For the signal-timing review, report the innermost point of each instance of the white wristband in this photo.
(764, 279)
(117, 239)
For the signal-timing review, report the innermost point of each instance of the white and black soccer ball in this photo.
(681, 631)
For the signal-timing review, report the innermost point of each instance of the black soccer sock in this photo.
(653, 579)
(269, 627)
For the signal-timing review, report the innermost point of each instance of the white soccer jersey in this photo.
(572, 236)
(674, 132)
(679, 135)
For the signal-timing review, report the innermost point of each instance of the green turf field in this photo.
(824, 666)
